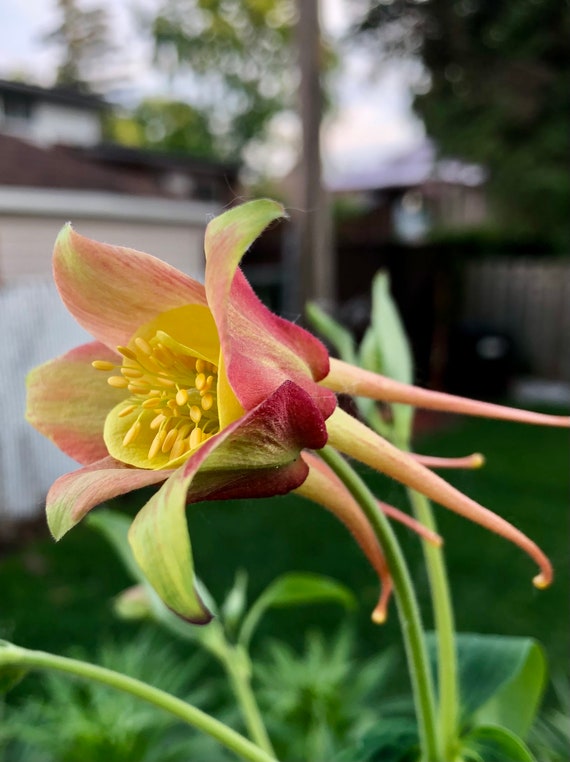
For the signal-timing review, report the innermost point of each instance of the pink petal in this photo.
(68, 401)
(261, 350)
(347, 378)
(475, 460)
(408, 521)
(72, 496)
(111, 291)
(355, 439)
(255, 456)
(322, 486)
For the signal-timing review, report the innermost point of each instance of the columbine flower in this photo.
(204, 389)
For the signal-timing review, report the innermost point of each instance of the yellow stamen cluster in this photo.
(174, 394)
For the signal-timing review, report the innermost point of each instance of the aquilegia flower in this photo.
(206, 390)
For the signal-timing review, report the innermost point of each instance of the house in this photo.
(50, 116)
(54, 168)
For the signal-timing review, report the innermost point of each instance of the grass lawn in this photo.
(57, 596)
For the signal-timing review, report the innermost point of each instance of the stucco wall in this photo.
(30, 221)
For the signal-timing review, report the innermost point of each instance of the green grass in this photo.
(58, 596)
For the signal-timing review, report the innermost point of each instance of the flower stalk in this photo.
(412, 629)
(15, 656)
(444, 622)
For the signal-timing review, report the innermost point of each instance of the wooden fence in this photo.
(529, 299)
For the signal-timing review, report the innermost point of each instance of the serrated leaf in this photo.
(295, 589)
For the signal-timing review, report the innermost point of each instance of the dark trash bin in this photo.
(481, 361)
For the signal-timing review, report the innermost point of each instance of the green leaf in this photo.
(391, 340)
(396, 740)
(294, 589)
(516, 702)
(502, 680)
(491, 743)
(393, 354)
(332, 331)
(234, 605)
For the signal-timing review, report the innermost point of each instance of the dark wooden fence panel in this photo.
(530, 300)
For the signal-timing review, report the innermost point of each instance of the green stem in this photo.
(11, 655)
(408, 610)
(238, 668)
(445, 628)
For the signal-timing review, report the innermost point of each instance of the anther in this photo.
(103, 365)
(132, 433)
(127, 411)
(156, 444)
(181, 397)
(195, 438)
(169, 440)
(119, 382)
(143, 345)
(183, 431)
(200, 382)
(131, 372)
(200, 365)
(138, 388)
(126, 352)
(150, 403)
(165, 381)
(155, 423)
(207, 401)
(195, 413)
(179, 448)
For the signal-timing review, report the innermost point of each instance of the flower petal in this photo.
(475, 460)
(355, 439)
(72, 496)
(255, 456)
(68, 401)
(111, 290)
(361, 383)
(322, 486)
(261, 350)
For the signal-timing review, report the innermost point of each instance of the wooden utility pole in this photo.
(316, 256)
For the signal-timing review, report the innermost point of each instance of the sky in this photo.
(373, 119)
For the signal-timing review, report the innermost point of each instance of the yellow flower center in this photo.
(172, 405)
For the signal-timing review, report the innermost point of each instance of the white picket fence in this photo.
(530, 300)
(34, 327)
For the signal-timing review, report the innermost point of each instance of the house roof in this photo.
(66, 95)
(119, 155)
(25, 164)
(412, 168)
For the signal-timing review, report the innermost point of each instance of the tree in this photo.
(499, 95)
(234, 59)
(164, 125)
(84, 37)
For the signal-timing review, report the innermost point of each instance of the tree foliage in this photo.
(84, 38)
(233, 60)
(499, 94)
(161, 124)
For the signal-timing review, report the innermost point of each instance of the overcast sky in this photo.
(373, 118)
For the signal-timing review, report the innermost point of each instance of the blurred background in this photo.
(426, 138)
